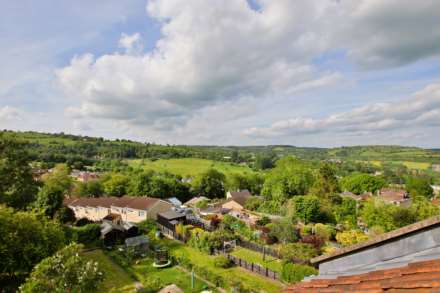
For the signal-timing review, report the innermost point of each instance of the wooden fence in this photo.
(259, 248)
(254, 267)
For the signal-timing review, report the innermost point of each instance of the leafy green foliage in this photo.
(116, 184)
(88, 234)
(419, 186)
(293, 273)
(17, 188)
(326, 182)
(307, 208)
(346, 211)
(290, 177)
(359, 183)
(298, 252)
(284, 230)
(66, 271)
(222, 261)
(210, 184)
(25, 239)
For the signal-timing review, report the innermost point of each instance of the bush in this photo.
(351, 237)
(324, 231)
(298, 252)
(293, 273)
(82, 222)
(222, 261)
(87, 235)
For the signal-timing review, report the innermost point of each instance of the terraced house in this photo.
(130, 209)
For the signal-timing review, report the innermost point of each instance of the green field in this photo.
(257, 258)
(416, 165)
(187, 167)
(116, 279)
(249, 279)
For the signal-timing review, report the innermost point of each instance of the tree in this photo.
(25, 239)
(66, 271)
(264, 161)
(326, 183)
(360, 182)
(284, 230)
(346, 211)
(17, 188)
(210, 184)
(307, 208)
(290, 177)
(116, 184)
(91, 188)
(419, 186)
(56, 185)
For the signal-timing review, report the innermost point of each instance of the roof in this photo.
(175, 201)
(241, 193)
(135, 241)
(195, 200)
(393, 194)
(423, 276)
(410, 229)
(171, 289)
(139, 203)
(171, 215)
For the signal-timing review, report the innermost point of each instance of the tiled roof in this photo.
(241, 193)
(140, 203)
(421, 276)
(419, 226)
(392, 194)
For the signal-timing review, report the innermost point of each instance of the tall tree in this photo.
(66, 271)
(326, 183)
(25, 239)
(17, 188)
(419, 186)
(210, 184)
(360, 182)
(56, 185)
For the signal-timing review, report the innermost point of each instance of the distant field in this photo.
(187, 166)
(115, 279)
(416, 165)
(409, 164)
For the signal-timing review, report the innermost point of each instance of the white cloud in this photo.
(423, 108)
(8, 113)
(131, 43)
(226, 52)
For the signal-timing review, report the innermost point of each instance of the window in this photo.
(141, 214)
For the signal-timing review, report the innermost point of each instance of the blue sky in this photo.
(306, 73)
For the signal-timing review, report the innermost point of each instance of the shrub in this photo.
(87, 235)
(82, 222)
(324, 231)
(293, 273)
(298, 252)
(314, 240)
(222, 261)
(351, 237)
(263, 221)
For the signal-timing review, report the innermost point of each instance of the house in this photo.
(130, 209)
(236, 200)
(404, 260)
(174, 201)
(395, 196)
(170, 219)
(435, 167)
(195, 200)
(357, 197)
(84, 176)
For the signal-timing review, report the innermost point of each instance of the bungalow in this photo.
(395, 196)
(130, 209)
(236, 200)
(404, 260)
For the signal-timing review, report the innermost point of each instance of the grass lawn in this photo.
(145, 271)
(252, 280)
(116, 279)
(271, 263)
(187, 166)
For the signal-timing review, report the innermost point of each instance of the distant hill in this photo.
(62, 147)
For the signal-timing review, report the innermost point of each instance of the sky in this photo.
(320, 73)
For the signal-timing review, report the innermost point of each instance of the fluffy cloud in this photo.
(214, 56)
(423, 108)
(223, 54)
(8, 113)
